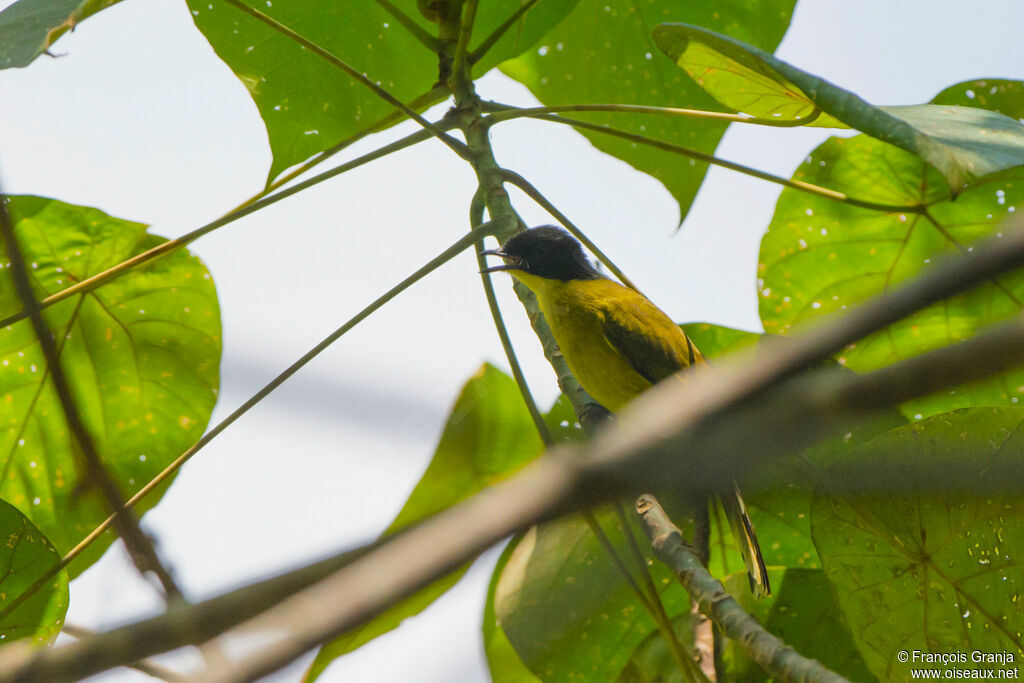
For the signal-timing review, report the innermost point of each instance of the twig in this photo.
(684, 659)
(771, 653)
(507, 113)
(535, 194)
(453, 144)
(135, 540)
(442, 258)
(733, 166)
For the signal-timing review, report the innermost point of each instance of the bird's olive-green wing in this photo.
(649, 340)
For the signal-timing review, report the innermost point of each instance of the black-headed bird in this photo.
(616, 342)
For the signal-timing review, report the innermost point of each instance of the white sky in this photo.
(142, 120)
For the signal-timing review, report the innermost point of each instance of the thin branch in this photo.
(507, 113)
(496, 35)
(733, 166)
(139, 547)
(456, 146)
(418, 32)
(684, 659)
(771, 653)
(640, 452)
(535, 194)
(439, 260)
(144, 665)
(171, 246)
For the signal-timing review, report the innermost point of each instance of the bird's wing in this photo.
(648, 339)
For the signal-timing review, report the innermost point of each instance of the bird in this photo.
(616, 343)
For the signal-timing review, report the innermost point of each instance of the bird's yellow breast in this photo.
(577, 312)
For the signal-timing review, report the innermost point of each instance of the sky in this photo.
(141, 119)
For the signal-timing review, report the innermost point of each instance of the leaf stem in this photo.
(459, 63)
(456, 146)
(733, 166)
(504, 112)
(497, 33)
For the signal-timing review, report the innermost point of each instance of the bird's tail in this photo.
(743, 530)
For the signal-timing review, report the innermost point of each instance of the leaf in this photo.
(26, 555)
(964, 144)
(603, 53)
(820, 256)
(803, 612)
(309, 105)
(488, 436)
(937, 572)
(996, 94)
(653, 661)
(565, 608)
(141, 353)
(29, 27)
(502, 660)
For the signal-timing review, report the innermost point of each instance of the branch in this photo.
(135, 540)
(144, 665)
(701, 416)
(772, 654)
(453, 144)
(733, 166)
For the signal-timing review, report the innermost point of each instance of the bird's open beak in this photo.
(512, 262)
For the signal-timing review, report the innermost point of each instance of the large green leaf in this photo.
(29, 27)
(307, 104)
(964, 144)
(488, 435)
(821, 255)
(716, 340)
(26, 555)
(142, 355)
(565, 608)
(937, 572)
(603, 53)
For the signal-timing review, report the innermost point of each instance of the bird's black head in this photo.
(547, 252)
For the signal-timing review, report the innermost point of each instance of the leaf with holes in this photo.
(572, 65)
(996, 94)
(964, 144)
(26, 555)
(142, 356)
(488, 436)
(29, 27)
(940, 572)
(309, 105)
(820, 256)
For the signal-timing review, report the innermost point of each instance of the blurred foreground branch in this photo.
(767, 400)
